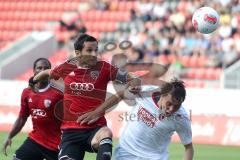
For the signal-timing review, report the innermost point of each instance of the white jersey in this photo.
(149, 134)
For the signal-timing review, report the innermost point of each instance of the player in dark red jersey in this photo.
(38, 101)
(86, 78)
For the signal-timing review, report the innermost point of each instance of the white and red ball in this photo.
(205, 20)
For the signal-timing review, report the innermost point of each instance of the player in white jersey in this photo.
(158, 114)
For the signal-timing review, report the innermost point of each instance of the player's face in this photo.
(169, 104)
(41, 66)
(88, 55)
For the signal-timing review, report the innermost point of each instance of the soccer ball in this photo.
(205, 20)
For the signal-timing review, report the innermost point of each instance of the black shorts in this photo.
(75, 142)
(30, 150)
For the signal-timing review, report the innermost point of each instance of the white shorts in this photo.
(121, 154)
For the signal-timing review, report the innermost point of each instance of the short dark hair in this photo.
(42, 59)
(175, 88)
(79, 43)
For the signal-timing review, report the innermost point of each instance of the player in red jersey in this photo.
(86, 78)
(38, 101)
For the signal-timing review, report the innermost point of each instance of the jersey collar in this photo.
(44, 89)
(155, 98)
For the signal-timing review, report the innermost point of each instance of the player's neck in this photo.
(42, 85)
(83, 66)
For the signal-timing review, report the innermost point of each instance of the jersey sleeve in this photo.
(183, 129)
(24, 109)
(117, 74)
(62, 70)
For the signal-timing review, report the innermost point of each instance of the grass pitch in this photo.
(202, 152)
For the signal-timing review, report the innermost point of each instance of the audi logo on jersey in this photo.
(38, 112)
(81, 86)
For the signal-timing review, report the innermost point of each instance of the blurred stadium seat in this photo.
(125, 20)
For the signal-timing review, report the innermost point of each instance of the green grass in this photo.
(202, 152)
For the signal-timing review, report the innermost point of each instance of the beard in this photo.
(88, 60)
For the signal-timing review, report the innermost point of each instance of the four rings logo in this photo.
(38, 113)
(81, 86)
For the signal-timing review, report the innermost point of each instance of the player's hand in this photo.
(134, 86)
(89, 117)
(7, 143)
(135, 89)
(31, 82)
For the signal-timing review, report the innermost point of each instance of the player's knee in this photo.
(105, 133)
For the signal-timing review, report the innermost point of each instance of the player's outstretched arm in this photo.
(189, 151)
(133, 83)
(60, 71)
(42, 75)
(18, 125)
(94, 115)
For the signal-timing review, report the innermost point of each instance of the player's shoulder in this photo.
(69, 63)
(181, 116)
(102, 63)
(149, 90)
(181, 111)
(27, 90)
(104, 66)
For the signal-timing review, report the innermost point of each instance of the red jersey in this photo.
(85, 90)
(46, 128)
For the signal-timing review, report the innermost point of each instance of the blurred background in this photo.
(160, 32)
